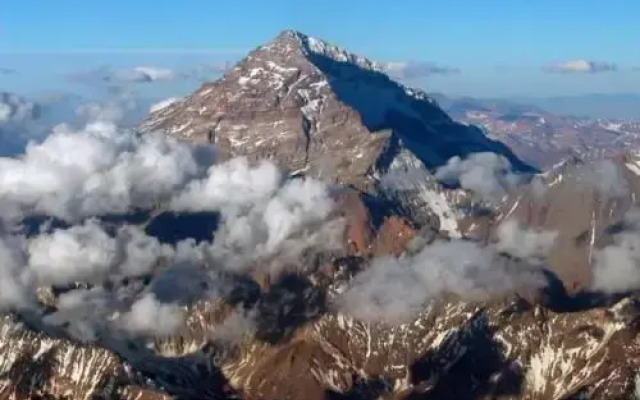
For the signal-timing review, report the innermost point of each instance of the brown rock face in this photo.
(393, 236)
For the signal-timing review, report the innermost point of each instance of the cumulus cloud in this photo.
(416, 69)
(581, 66)
(235, 327)
(87, 253)
(98, 170)
(231, 187)
(15, 278)
(18, 122)
(393, 290)
(616, 268)
(150, 317)
(518, 241)
(388, 291)
(89, 315)
(15, 109)
(84, 314)
(81, 253)
(261, 213)
(488, 175)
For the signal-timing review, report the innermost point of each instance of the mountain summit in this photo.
(318, 110)
(314, 107)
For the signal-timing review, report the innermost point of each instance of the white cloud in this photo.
(85, 314)
(516, 240)
(87, 253)
(581, 66)
(388, 291)
(98, 170)
(393, 290)
(81, 253)
(231, 186)
(235, 327)
(261, 215)
(15, 278)
(150, 317)
(488, 175)
(19, 122)
(14, 108)
(148, 74)
(155, 73)
(616, 268)
(416, 69)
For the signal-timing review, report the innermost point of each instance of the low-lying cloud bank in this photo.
(394, 290)
(490, 176)
(82, 177)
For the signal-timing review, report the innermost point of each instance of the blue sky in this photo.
(499, 46)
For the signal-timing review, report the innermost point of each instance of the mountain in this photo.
(544, 138)
(318, 111)
(323, 106)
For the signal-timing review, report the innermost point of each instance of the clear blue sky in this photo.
(475, 36)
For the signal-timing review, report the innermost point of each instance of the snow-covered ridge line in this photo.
(311, 45)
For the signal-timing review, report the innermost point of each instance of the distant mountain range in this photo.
(593, 106)
(541, 137)
(618, 106)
